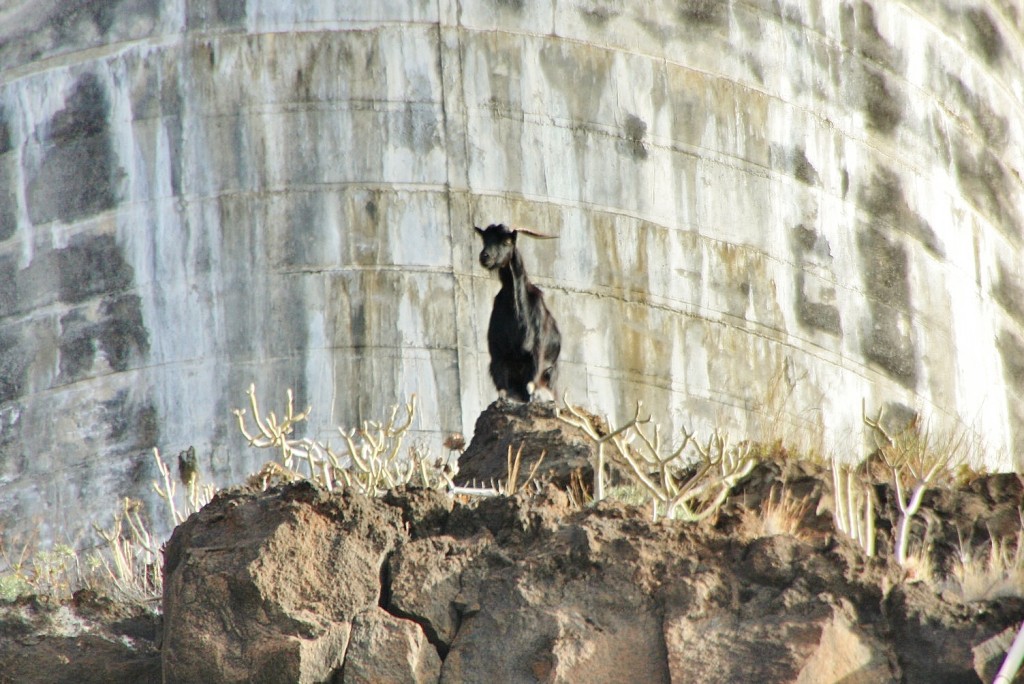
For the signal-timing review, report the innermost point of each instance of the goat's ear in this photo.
(478, 230)
(535, 234)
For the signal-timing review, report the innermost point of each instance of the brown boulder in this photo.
(385, 649)
(298, 584)
(536, 429)
(265, 587)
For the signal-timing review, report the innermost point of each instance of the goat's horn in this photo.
(535, 234)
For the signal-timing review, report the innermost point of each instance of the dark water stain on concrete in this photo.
(6, 145)
(92, 265)
(878, 98)
(120, 331)
(79, 174)
(16, 357)
(515, 5)
(102, 14)
(880, 102)
(803, 169)
(1009, 293)
(9, 302)
(417, 129)
(131, 426)
(634, 130)
(883, 198)
(888, 339)
(896, 417)
(886, 269)
(993, 128)
(8, 180)
(600, 15)
(794, 162)
(859, 30)
(815, 310)
(231, 11)
(987, 185)
(815, 315)
(809, 240)
(985, 35)
(77, 346)
(8, 199)
(703, 12)
(216, 13)
(1011, 353)
(579, 74)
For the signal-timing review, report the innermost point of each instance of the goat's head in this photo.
(500, 243)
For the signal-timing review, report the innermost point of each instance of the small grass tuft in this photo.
(780, 514)
(992, 574)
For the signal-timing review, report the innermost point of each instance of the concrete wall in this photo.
(769, 212)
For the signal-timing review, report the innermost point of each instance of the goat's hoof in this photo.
(542, 394)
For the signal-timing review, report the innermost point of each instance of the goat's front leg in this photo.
(502, 381)
(539, 389)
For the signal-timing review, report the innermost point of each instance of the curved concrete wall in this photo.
(764, 208)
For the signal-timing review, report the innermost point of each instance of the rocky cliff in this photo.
(300, 584)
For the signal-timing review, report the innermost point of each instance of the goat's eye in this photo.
(508, 242)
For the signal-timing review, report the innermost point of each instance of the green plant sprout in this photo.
(44, 573)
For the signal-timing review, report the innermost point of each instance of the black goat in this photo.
(522, 337)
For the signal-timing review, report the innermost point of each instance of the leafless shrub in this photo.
(132, 559)
(689, 483)
(196, 495)
(916, 461)
(369, 460)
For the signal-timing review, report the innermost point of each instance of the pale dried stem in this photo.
(134, 554)
(853, 507)
(1012, 662)
(514, 465)
(915, 464)
(582, 422)
(167, 492)
(369, 460)
(693, 499)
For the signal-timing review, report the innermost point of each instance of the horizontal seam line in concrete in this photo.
(170, 39)
(706, 155)
(560, 284)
